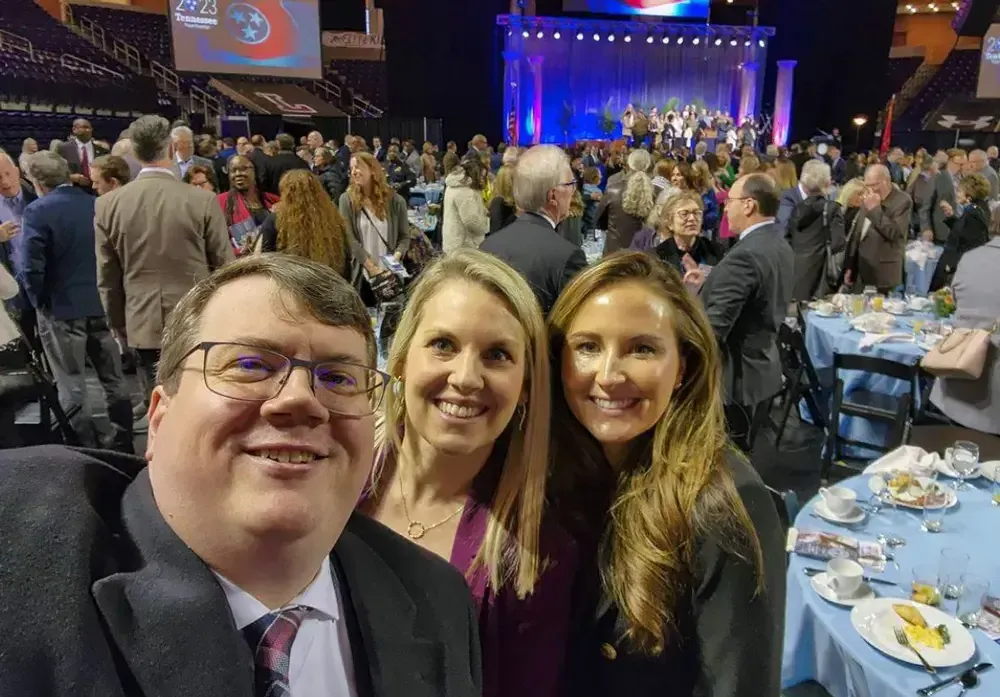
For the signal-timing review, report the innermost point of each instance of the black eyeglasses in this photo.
(254, 374)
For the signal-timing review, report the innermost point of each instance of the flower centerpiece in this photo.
(944, 302)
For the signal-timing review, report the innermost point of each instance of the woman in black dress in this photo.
(969, 230)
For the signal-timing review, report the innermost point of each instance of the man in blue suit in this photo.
(58, 271)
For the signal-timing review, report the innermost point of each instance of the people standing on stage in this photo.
(656, 127)
(628, 122)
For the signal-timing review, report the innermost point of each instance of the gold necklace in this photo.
(415, 530)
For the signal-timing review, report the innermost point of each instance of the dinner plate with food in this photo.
(896, 307)
(939, 637)
(916, 492)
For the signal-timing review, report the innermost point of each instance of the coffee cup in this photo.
(839, 500)
(844, 577)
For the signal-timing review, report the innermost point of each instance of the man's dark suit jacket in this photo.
(838, 171)
(279, 164)
(100, 597)
(59, 270)
(931, 215)
(532, 247)
(70, 151)
(789, 201)
(261, 165)
(746, 298)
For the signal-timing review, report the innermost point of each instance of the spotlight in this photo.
(666, 40)
(718, 42)
(680, 40)
(557, 35)
(761, 43)
(597, 37)
(732, 42)
(747, 42)
(696, 41)
(524, 33)
(611, 38)
(912, 9)
(540, 35)
(579, 36)
(649, 39)
(628, 38)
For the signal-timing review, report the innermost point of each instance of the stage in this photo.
(569, 79)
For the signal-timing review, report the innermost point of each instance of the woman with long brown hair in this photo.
(691, 588)
(307, 224)
(375, 216)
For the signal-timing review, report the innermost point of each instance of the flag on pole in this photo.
(887, 128)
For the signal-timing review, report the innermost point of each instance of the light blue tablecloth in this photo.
(430, 193)
(828, 335)
(918, 280)
(822, 645)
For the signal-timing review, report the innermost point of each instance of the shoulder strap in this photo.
(388, 249)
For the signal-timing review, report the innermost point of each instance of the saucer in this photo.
(854, 516)
(824, 591)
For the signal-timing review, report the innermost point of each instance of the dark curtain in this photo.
(443, 59)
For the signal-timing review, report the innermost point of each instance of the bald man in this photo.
(877, 241)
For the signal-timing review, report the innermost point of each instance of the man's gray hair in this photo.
(639, 160)
(815, 176)
(538, 170)
(700, 148)
(48, 169)
(6, 156)
(122, 148)
(770, 151)
(150, 138)
(182, 133)
(881, 171)
(510, 155)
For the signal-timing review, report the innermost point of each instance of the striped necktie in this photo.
(270, 640)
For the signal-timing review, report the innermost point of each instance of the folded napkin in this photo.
(869, 340)
(908, 458)
(920, 252)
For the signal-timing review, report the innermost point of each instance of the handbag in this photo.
(961, 355)
(386, 285)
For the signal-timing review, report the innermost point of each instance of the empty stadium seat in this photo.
(957, 76)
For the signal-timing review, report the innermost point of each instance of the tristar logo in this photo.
(951, 122)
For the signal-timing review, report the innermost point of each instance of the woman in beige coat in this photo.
(466, 220)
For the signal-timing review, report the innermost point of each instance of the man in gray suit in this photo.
(979, 163)
(746, 298)
(932, 217)
(155, 239)
(184, 158)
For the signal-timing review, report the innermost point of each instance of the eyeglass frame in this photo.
(293, 363)
(692, 214)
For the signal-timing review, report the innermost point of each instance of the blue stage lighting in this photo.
(540, 35)
(557, 35)
(524, 33)
(628, 38)
(649, 39)
(597, 37)
(611, 38)
(680, 40)
(579, 36)
(666, 40)
(718, 42)
(732, 42)
(761, 43)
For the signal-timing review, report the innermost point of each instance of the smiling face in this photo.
(620, 363)
(464, 370)
(285, 469)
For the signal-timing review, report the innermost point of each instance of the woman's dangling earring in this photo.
(524, 413)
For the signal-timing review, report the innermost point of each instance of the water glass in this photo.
(974, 592)
(933, 518)
(964, 460)
(952, 566)
(924, 585)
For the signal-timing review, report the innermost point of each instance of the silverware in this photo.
(837, 523)
(969, 680)
(810, 571)
(903, 640)
(891, 541)
(937, 687)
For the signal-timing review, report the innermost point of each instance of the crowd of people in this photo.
(543, 489)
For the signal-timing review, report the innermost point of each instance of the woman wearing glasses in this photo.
(462, 461)
(689, 598)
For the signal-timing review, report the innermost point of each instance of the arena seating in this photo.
(43, 78)
(900, 70)
(367, 78)
(15, 126)
(957, 76)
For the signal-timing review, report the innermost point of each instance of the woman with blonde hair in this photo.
(307, 224)
(784, 174)
(849, 199)
(689, 594)
(627, 204)
(428, 163)
(375, 216)
(502, 209)
(462, 461)
(703, 181)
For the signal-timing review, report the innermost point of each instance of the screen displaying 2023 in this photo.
(247, 37)
(989, 68)
(657, 8)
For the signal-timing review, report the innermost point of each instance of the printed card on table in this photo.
(828, 545)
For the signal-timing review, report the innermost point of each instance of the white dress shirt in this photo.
(320, 662)
(750, 229)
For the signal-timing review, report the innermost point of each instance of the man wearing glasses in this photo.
(232, 564)
(544, 185)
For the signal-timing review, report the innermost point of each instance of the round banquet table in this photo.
(821, 644)
(825, 336)
(918, 278)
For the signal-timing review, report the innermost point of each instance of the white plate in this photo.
(875, 620)
(990, 470)
(951, 500)
(832, 313)
(823, 511)
(819, 584)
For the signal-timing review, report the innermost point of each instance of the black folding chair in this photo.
(801, 381)
(26, 383)
(879, 407)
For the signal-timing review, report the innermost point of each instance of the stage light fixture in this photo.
(597, 37)
(680, 40)
(557, 36)
(579, 36)
(732, 42)
(628, 38)
(649, 39)
(761, 43)
(696, 41)
(524, 33)
(747, 42)
(611, 38)
(718, 42)
(540, 35)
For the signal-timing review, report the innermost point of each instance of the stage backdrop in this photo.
(586, 81)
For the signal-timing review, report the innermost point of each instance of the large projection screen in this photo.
(247, 37)
(989, 66)
(695, 9)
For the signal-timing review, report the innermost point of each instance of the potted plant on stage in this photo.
(607, 122)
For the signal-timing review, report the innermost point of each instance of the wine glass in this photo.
(964, 460)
